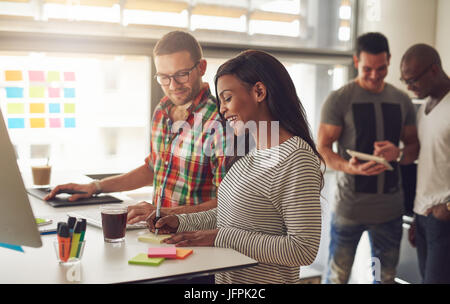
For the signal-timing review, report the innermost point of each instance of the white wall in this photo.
(404, 23)
(443, 33)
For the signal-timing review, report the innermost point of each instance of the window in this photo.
(92, 111)
(80, 110)
(318, 24)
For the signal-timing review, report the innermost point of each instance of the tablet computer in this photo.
(62, 200)
(369, 157)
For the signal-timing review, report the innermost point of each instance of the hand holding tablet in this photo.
(369, 157)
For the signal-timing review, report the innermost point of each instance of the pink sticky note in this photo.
(36, 76)
(162, 252)
(69, 76)
(55, 122)
(53, 92)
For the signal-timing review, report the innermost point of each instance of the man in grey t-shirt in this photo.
(369, 116)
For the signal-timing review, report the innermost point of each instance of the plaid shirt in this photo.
(187, 156)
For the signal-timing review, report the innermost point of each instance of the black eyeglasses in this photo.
(180, 77)
(412, 81)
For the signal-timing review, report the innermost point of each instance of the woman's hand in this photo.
(193, 238)
(167, 224)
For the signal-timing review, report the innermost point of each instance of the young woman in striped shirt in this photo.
(269, 201)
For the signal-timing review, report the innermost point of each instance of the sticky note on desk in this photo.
(183, 253)
(162, 252)
(152, 238)
(143, 259)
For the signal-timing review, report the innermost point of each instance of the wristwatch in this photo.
(400, 156)
(98, 188)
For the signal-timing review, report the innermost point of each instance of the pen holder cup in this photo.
(67, 256)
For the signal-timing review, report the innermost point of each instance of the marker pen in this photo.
(63, 241)
(75, 239)
(71, 223)
(83, 232)
(158, 214)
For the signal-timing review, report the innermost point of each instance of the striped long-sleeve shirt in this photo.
(268, 209)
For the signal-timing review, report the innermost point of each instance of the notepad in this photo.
(143, 259)
(152, 238)
(162, 252)
(183, 253)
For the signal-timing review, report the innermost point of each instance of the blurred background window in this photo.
(76, 77)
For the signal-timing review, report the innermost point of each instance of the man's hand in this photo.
(368, 168)
(386, 149)
(440, 212)
(193, 238)
(89, 190)
(139, 212)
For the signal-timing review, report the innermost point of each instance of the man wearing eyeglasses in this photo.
(370, 116)
(422, 72)
(185, 178)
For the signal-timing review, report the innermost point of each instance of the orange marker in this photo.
(63, 242)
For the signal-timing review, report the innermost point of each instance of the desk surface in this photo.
(108, 263)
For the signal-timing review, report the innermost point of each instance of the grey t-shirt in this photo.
(367, 117)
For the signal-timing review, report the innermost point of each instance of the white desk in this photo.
(108, 263)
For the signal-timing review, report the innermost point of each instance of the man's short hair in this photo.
(178, 41)
(372, 43)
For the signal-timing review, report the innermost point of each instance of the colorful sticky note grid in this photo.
(53, 92)
(69, 108)
(37, 122)
(53, 76)
(55, 122)
(69, 93)
(15, 108)
(69, 76)
(37, 108)
(153, 238)
(36, 76)
(16, 123)
(69, 122)
(37, 92)
(54, 108)
(162, 252)
(13, 92)
(183, 253)
(143, 259)
(13, 75)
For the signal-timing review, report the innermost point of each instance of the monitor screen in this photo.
(17, 222)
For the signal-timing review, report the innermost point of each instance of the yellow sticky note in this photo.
(37, 92)
(37, 122)
(69, 108)
(37, 108)
(53, 76)
(13, 75)
(152, 238)
(15, 108)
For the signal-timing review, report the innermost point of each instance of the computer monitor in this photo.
(17, 222)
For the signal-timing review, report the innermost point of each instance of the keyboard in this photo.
(61, 200)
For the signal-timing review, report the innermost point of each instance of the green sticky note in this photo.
(53, 76)
(15, 108)
(37, 92)
(143, 259)
(69, 108)
(40, 221)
